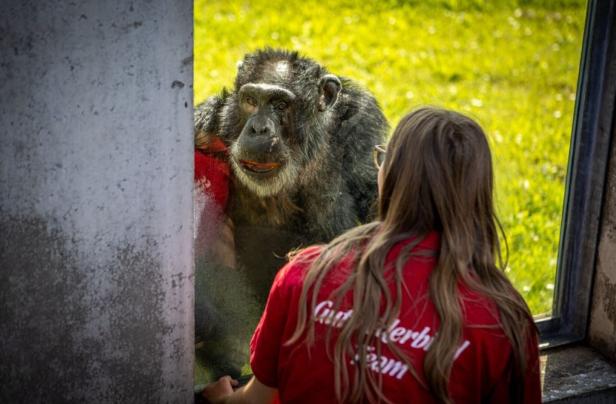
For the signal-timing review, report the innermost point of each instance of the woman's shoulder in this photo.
(293, 271)
(307, 254)
(477, 308)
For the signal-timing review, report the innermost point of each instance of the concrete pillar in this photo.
(96, 256)
(602, 324)
(602, 330)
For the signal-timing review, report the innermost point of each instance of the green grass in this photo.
(512, 65)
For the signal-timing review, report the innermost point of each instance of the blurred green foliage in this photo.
(510, 64)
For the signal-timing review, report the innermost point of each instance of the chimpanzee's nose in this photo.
(261, 127)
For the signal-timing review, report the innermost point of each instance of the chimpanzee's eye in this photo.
(250, 101)
(281, 105)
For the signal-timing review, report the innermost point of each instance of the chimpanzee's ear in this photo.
(329, 88)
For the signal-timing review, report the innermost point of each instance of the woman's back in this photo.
(305, 374)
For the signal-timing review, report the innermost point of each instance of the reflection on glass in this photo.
(512, 65)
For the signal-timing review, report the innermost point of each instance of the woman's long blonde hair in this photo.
(437, 176)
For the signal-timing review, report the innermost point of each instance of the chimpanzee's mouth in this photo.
(259, 168)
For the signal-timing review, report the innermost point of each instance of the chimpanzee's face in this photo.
(272, 149)
(261, 155)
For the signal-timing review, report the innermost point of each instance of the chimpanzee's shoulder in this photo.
(358, 106)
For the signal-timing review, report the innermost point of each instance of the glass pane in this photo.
(512, 65)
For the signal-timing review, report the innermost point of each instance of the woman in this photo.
(413, 307)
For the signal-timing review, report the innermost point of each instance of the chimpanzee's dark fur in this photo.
(325, 142)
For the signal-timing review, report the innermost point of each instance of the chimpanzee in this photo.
(299, 143)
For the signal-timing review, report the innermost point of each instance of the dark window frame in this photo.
(592, 132)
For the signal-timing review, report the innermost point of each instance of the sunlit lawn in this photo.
(511, 66)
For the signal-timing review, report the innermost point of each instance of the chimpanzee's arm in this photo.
(207, 118)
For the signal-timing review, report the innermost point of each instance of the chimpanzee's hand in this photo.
(216, 392)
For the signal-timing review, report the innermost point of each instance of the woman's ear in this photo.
(329, 88)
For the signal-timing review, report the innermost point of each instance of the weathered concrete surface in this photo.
(602, 331)
(577, 375)
(96, 263)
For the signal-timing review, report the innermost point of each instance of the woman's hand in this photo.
(254, 392)
(217, 392)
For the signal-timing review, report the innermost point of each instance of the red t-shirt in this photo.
(480, 373)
